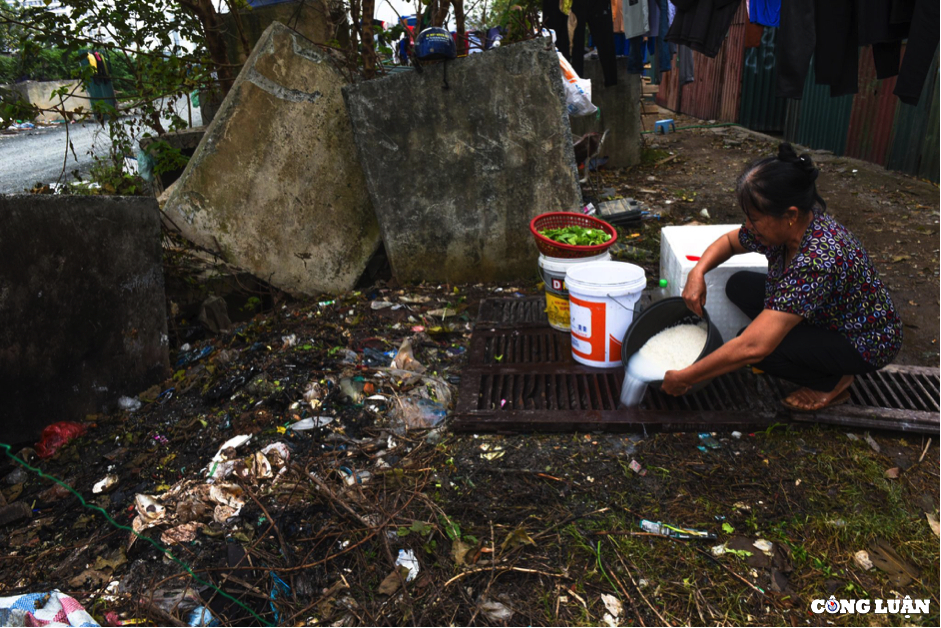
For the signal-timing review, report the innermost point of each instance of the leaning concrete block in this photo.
(275, 185)
(620, 114)
(82, 307)
(456, 174)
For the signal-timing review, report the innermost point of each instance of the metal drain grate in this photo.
(526, 346)
(525, 379)
(517, 313)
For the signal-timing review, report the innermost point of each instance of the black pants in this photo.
(595, 13)
(826, 30)
(922, 44)
(809, 356)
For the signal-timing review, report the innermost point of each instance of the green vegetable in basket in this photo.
(577, 236)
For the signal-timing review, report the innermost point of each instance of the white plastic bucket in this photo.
(602, 296)
(552, 270)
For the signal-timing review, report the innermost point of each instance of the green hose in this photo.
(114, 523)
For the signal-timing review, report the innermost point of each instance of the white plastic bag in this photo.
(577, 90)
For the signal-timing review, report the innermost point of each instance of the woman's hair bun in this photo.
(787, 154)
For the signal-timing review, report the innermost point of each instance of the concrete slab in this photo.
(456, 174)
(82, 307)
(620, 114)
(275, 185)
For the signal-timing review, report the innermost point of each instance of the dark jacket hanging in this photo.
(702, 24)
(919, 52)
(796, 42)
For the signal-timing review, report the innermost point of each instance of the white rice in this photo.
(674, 348)
(670, 350)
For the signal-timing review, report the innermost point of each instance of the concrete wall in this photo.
(318, 20)
(275, 185)
(457, 174)
(39, 94)
(620, 113)
(82, 307)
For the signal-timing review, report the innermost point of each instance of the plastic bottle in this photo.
(659, 293)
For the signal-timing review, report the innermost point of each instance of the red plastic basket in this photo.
(557, 220)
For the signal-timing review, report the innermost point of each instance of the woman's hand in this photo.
(694, 294)
(674, 384)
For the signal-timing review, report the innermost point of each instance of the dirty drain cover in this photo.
(521, 377)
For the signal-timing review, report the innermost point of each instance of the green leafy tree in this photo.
(159, 52)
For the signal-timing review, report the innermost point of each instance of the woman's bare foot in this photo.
(810, 400)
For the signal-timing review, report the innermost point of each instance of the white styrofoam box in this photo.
(677, 244)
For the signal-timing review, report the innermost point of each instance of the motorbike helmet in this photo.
(435, 43)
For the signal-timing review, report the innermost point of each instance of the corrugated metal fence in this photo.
(914, 147)
(760, 110)
(739, 86)
(816, 120)
(716, 92)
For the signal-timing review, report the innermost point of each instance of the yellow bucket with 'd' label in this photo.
(552, 270)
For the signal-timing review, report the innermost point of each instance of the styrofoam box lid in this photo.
(694, 240)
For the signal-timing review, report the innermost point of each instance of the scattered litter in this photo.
(407, 559)
(494, 611)
(201, 616)
(43, 609)
(105, 484)
(736, 435)
(764, 546)
(491, 452)
(872, 443)
(56, 435)
(311, 423)
(708, 442)
(637, 468)
(614, 608)
(852, 436)
(675, 532)
(861, 558)
(129, 404)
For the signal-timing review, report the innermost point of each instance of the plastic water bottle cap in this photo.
(663, 283)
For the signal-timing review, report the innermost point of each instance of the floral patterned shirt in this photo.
(832, 284)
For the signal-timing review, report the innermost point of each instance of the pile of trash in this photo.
(282, 441)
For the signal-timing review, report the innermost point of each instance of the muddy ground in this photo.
(506, 530)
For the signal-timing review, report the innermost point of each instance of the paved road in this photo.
(32, 156)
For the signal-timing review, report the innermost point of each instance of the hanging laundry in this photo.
(836, 55)
(702, 24)
(636, 55)
(876, 28)
(765, 12)
(919, 52)
(659, 21)
(796, 42)
(636, 18)
(684, 64)
(596, 14)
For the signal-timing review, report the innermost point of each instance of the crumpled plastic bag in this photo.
(405, 359)
(56, 435)
(577, 90)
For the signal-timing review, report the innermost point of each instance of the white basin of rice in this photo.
(674, 348)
